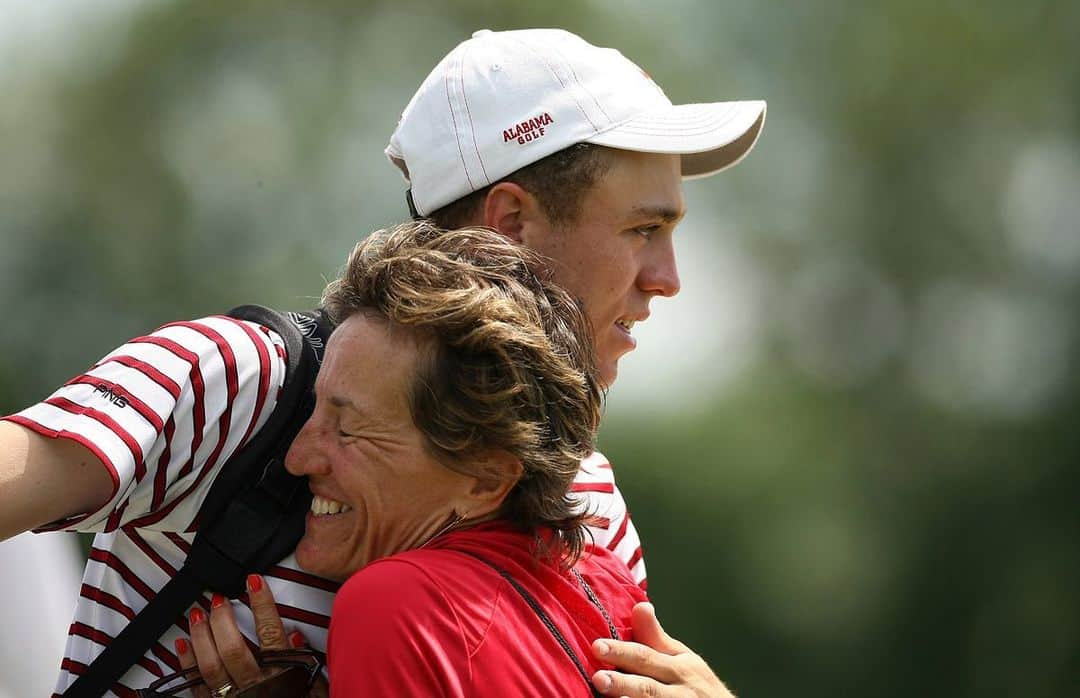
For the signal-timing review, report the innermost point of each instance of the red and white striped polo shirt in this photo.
(163, 413)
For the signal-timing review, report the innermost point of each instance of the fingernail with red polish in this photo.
(296, 639)
(254, 582)
(196, 616)
(217, 600)
(181, 645)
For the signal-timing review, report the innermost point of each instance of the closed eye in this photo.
(346, 436)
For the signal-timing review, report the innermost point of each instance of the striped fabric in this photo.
(611, 526)
(163, 413)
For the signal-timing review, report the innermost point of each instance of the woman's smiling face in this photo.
(378, 488)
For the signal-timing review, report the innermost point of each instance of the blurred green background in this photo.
(850, 445)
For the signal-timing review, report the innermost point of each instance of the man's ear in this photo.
(488, 493)
(512, 211)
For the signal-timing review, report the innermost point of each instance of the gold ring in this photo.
(223, 690)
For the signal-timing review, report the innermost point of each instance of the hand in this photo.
(221, 652)
(655, 666)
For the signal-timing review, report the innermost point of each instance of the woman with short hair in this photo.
(456, 400)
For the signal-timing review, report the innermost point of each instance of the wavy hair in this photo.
(512, 367)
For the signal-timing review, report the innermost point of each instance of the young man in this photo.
(565, 147)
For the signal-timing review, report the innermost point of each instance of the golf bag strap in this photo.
(126, 648)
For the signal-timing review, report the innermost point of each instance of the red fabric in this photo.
(437, 622)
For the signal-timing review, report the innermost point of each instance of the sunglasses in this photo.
(298, 671)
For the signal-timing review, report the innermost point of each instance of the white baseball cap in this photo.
(503, 100)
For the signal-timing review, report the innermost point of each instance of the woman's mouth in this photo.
(323, 506)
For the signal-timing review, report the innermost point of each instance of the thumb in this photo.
(647, 631)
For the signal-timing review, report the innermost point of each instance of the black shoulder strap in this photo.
(546, 620)
(253, 515)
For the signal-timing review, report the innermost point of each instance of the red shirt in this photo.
(438, 622)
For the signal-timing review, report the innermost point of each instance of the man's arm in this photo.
(44, 480)
(145, 425)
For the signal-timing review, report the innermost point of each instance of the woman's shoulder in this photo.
(415, 581)
(423, 597)
(394, 631)
(415, 570)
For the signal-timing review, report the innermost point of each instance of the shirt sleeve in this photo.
(163, 412)
(610, 526)
(394, 633)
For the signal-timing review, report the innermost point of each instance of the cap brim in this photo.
(709, 137)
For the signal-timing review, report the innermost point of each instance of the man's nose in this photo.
(660, 273)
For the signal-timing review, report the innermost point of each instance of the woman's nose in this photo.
(305, 456)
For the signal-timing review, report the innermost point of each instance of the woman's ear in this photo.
(488, 493)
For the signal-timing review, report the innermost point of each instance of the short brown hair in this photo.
(559, 182)
(512, 368)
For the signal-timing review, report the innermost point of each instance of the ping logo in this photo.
(116, 398)
(528, 130)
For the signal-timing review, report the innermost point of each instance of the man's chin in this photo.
(607, 372)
